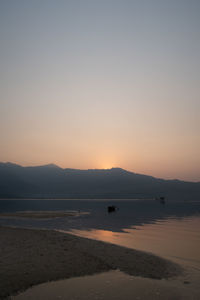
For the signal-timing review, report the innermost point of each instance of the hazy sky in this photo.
(96, 84)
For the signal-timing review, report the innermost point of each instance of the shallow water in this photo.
(176, 239)
(171, 231)
(130, 213)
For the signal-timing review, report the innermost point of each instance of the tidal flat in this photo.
(30, 257)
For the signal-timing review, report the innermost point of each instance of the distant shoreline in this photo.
(133, 199)
(30, 257)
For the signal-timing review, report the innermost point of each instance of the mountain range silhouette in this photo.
(51, 181)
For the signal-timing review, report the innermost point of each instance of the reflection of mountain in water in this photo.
(129, 213)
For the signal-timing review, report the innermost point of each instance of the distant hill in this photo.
(51, 181)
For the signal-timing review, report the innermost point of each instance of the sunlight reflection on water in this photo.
(172, 238)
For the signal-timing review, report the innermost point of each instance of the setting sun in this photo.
(106, 167)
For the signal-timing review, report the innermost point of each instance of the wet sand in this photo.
(29, 257)
(112, 285)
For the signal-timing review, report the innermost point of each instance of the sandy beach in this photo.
(29, 257)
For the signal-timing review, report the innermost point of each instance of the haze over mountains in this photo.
(51, 181)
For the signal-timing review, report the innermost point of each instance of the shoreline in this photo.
(30, 256)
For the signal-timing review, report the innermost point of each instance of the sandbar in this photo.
(42, 214)
(29, 257)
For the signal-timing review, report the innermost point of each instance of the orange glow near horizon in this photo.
(106, 166)
(165, 171)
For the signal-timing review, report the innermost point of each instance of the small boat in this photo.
(112, 208)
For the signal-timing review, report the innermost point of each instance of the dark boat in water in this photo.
(112, 208)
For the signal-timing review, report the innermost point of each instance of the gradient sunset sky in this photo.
(99, 84)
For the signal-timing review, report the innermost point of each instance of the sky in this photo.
(101, 84)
